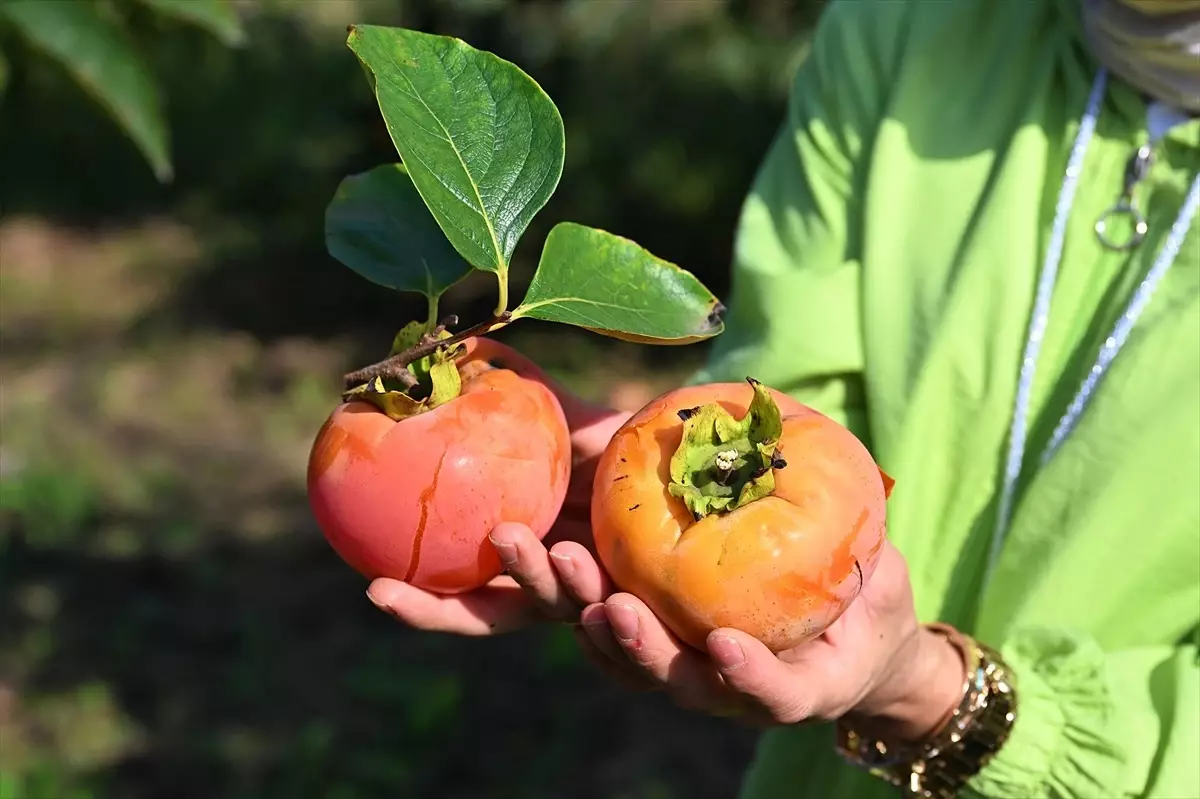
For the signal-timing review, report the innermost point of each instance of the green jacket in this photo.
(885, 272)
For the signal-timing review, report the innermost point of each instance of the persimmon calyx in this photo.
(422, 385)
(723, 463)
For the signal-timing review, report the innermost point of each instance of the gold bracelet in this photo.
(940, 765)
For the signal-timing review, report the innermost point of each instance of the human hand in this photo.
(550, 579)
(875, 663)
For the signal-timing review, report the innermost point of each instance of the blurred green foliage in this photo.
(93, 42)
(50, 503)
(171, 622)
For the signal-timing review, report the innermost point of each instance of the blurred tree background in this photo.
(172, 624)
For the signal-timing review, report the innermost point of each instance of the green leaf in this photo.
(378, 226)
(609, 284)
(483, 143)
(100, 57)
(218, 17)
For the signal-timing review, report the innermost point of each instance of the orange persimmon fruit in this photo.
(415, 498)
(733, 505)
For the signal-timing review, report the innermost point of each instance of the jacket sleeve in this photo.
(1092, 723)
(794, 318)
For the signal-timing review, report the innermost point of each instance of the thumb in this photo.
(754, 672)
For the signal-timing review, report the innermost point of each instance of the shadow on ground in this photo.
(262, 671)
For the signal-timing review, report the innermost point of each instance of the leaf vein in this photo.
(482, 210)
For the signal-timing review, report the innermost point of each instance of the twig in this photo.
(395, 367)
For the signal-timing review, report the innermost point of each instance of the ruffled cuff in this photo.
(1072, 736)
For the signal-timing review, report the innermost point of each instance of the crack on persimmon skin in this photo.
(845, 552)
(800, 586)
(423, 501)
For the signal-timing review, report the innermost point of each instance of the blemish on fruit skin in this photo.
(331, 441)
(843, 561)
(635, 507)
(798, 586)
(423, 501)
(724, 550)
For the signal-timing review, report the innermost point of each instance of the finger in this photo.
(684, 672)
(601, 650)
(497, 607)
(526, 560)
(585, 581)
(748, 667)
(594, 621)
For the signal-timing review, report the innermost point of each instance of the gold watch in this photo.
(940, 765)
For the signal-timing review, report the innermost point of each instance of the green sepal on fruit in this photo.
(408, 337)
(724, 463)
(435, 378)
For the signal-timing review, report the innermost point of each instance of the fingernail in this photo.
(507, 552)
(594, 624)
(593, 617)
(564, 564)
(376, 602)
(726, 652)
(624, 621)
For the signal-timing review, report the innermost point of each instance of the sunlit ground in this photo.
(175, 626)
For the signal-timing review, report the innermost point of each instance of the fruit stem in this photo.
(397, 365)
(502, 299)
(432, 323)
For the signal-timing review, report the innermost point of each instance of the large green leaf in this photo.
(218, 17)
(378, 226)
(482, 142)
(99, 56)
(609, 284)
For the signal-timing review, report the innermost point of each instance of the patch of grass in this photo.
(43, 779)
(51, 505)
